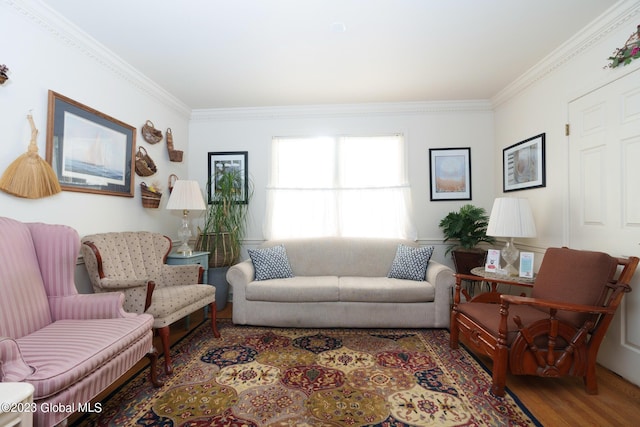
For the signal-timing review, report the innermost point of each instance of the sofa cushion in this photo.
(382, 289)
(295, 289)
(172, 299)
(340, 256)
(410, 263)
(271, 263)
(66, 351)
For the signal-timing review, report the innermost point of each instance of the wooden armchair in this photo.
(555, 332)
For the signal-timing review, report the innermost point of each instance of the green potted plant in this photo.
(223, 230)
(225, 220)
(468, 228)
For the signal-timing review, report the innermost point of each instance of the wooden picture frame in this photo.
(450, 173)
(523, 164)
(225, 161)
(89, 151)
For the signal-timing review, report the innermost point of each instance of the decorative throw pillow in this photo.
(410, 263)
(271, 263)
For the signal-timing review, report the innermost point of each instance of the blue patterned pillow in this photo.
(271, 263)
(410, 263)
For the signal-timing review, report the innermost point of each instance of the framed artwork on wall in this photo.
(450, 173)
(89, 151)
(228, 168)
(523, 164)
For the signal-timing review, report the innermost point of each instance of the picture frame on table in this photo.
(523, 164)
(89, 151)
(450, 173)
(229, 161)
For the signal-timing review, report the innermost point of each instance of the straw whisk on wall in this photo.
(30, 176)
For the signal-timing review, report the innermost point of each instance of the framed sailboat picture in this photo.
(89, 151)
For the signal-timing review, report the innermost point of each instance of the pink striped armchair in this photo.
(69, 346)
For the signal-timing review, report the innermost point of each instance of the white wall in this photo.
(43, 53)
(538, 102)
(424, 125)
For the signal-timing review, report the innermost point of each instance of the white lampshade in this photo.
(511, 217)
(186, 196)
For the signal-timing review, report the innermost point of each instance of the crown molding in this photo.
(59, 27)
(340, 110)
(616, 16)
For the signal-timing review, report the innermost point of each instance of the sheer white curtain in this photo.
(339, 186)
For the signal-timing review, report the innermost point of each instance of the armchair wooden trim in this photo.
(535, 335)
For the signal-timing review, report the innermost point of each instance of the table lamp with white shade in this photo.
(185, 196)
(511, 217)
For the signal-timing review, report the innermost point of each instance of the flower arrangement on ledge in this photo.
(627, 53)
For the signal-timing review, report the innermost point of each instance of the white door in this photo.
(604, 200)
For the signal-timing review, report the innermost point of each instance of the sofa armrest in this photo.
(180, 275)
(440, 276)
(13, 368)
(108, 305)
(443, 280)
(241, 274)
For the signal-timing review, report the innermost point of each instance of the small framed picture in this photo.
(526, 264)
(523, 164)
(450, 173)
(228, 168)
(493, 261)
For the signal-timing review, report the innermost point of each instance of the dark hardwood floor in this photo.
(554, 402)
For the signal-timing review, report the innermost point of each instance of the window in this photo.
(339, 186)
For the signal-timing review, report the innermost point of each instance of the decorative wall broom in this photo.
(29, 175)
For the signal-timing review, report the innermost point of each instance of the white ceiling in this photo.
(253, 53)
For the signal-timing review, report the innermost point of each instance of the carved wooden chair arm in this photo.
(554, 305)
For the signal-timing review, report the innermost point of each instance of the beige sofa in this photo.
(341, 282)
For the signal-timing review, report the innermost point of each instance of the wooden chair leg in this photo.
(164, 337)
(590, 380)
(153, 369)
(499, 371)
(454, 332)
(214, 323)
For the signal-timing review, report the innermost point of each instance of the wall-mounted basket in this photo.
(150, 199)
(150, 133)
(172, 181)
(174, 155)
(145, 166)
(3, 73)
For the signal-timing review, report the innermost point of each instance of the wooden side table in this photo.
(201, 258)
(16, 404)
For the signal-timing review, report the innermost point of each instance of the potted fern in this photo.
(465, 229)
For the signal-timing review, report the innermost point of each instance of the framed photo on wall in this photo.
(228, 168)
(523, 164)
(450, 173)
(89, 151)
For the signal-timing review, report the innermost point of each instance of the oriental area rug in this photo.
(255, 376)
